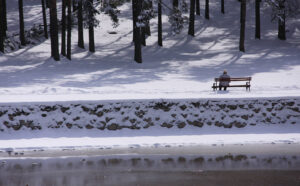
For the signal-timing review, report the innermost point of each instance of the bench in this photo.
(247, 85)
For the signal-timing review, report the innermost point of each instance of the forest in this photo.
(82, 14)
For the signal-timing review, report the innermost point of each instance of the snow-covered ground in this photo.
(183, 68)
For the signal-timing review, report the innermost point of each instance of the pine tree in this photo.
(91, 32)
(257, 19)
(206, 9)
(54, 30)
(198, 7)
(281, 20)
(243, 25)
(192, 18)
(137, 30)
(63, 27)
(222, 7)
(175, 4)
(80, 25)
(69, 29)
(159, 24)
(4, 16)
(44, 19)
(21, 22)
(1, 28)
(90, 21)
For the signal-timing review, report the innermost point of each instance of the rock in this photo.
(239, 124)
(196, 123)
(196, 104)
(232, 107)
(181, 125)
(88, 126)
(183, 107)
(64, 109)
(245, 117)
(166, 125)
(113, 126)
(69, 125)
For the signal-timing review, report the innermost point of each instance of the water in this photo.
(226, 169)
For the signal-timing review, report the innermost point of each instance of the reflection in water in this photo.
(152, 170)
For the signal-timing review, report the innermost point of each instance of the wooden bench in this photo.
(247, 85)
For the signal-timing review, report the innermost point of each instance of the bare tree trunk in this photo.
(91, 36)
(133, 21)
(148, 31)
(192, 18)
(4, 17)
(63, 28)
(257, 19)
(175, 4)
(1, 28)
(54, 30)
(243, 25)
(44, 19)
(80, 25)
(281, 21)
(69, 29)
(198, 7)
(137, 30)
(206, 9)
(222, 7)
(75, 6)
(160, 43)
(143, 29)
(21, 22)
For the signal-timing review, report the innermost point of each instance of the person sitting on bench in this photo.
(224, 80)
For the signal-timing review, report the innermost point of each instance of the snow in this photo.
(184, 68)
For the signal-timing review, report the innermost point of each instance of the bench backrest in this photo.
(234, 79)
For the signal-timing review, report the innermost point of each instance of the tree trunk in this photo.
(143, 29)
(21, 22)
(63, 28)
(69, 29)
(44, 19)
(175, 4)
(91, 36)
(222, 7)
(160, 43)
(206, 9)
(1, 28)
(4, 17)
(137, 30)
(192, 18)
(133, 21)
(243, 25)
(80, 25)
(257, 19)
(198, 7)
(48, 3)
(148, 31)
(54, 30)
(281, 21)
(75, 6)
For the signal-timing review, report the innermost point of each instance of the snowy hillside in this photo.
(183, 68)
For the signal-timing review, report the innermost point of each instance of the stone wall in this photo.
(117, 115)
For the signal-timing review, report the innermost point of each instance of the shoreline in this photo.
(167, 150)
